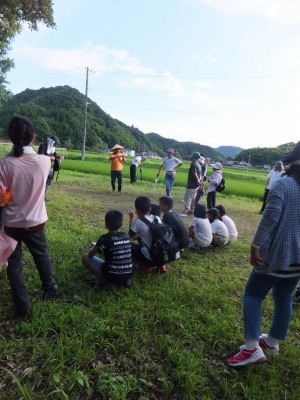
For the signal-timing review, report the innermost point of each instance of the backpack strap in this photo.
(149, 224)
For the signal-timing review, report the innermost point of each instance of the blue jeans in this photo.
(256, 290)
(169, 180)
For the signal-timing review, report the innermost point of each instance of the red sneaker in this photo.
(264, 345)
(163, 269)
(245, 357)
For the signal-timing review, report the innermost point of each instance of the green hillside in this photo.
(59, 110)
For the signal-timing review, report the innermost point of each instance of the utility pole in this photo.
(85, 112)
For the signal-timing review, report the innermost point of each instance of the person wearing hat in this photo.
(273, 176)
(213, 182)
(170, 163)
(134, 165)
(275, 257)
(48, 149)
(117, 160)
(193, 183)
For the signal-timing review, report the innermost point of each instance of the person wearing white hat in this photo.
(117, 160)
(170, 163)
(214, 181)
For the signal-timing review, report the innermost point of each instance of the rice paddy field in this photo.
(167, 336)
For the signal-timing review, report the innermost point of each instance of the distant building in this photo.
(129, 153)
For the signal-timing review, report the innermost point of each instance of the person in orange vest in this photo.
(117, 160)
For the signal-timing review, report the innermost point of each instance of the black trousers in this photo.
(37, 245)
(211, 200)
(133, 173)
(264, 200)
(116, 175)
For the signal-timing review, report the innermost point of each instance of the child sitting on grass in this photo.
(200, 229)
(230, 225)
(116, 268)
(219, 230)
(174, 220)
(139, 230)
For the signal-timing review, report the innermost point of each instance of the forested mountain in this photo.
(229, 151)
(264, 155)
(59, 110)
(185, 149)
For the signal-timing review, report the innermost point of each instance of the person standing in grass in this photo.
(213, 182)
(193, 183)
(275, 256)
(230, 225)
(174, 220)
(170, 163)
(117, 160)
(200, 228)
(134, 165)
(273, 176)
(116, 268)
(24, 173)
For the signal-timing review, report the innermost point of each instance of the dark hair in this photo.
(294, 171)
(200, 211)
(113, 220)
(20, 132)
(221, 210)
(214, 212)
(155, 210)
(142, 204)
(166, 201)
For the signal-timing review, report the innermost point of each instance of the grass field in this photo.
(165, 338)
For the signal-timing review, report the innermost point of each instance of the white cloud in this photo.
(98, 57)
(280, 11)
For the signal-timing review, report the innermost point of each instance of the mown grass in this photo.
(165, 338)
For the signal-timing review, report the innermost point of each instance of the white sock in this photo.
(251, 344)
(272, 342)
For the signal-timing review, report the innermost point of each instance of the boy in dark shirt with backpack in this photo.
(116, 268)
(174, 220)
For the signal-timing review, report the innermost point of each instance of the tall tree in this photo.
(14, 15)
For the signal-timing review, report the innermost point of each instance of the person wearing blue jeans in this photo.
(257, 288)
(275, 256)
(170, 163)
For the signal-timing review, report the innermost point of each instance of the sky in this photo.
(215, 72)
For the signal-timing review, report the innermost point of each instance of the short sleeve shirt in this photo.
(202, 229)
(116, 162)
(170, 163)
(116, 248)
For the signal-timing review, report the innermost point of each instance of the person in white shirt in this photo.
(170, 163)
(219, 230)
(230, 225)
(213, 182)
(273, 176)
(134, 165)
(200, 228)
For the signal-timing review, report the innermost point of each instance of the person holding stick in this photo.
(133, 167)
(117, 160)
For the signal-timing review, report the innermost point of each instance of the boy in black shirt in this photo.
(116, 269)
(173, 219)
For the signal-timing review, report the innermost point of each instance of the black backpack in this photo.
(164, 248)
(221, 186)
